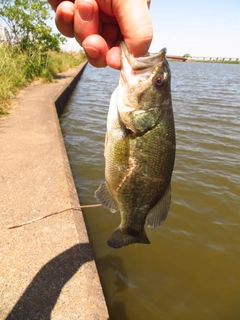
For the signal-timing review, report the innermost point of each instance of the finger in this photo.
(86, 19)
(135, 23)
(54, 4)
(96, 50)
(64, 18)
(113, 58)
(111, 34)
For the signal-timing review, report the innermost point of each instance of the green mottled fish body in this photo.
(139, 148)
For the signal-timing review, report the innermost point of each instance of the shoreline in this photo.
(47, 267)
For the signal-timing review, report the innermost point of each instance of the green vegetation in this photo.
(31, 50)
(27, 27)
(225, 61)
(218, 61)
(17, 69)
(187, 55)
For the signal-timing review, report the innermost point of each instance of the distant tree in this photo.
(26, 23)
(187, 55)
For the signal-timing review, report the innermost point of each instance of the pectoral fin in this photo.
(103, 195)
(159, 212)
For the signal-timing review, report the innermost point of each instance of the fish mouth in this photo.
(140, 66)
(139, 63)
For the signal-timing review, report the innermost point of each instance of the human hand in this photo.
(100, 25)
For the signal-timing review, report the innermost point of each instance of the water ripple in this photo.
(192, 266)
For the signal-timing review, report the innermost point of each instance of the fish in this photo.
(140, 147)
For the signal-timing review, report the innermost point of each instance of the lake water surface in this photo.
(191, 270)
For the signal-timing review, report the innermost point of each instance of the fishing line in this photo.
(54, 213)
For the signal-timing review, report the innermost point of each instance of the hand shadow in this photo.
(40, 297)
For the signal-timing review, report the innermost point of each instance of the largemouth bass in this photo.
(139, 148)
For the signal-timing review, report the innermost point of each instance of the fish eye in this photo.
(159, 81)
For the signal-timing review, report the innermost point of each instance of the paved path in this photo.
(47, 269)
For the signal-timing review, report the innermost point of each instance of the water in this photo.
(191, 270)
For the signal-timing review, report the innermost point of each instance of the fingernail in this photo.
(85, 10)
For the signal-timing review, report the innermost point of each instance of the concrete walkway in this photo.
(47, 269)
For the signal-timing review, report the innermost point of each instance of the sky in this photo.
(209, 28)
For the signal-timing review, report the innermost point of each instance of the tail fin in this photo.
(121, 239)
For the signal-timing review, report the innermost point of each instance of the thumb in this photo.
(135, 24)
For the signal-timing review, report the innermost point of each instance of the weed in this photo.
(17, 69)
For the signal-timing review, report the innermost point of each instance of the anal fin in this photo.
(159, 212)
(103, 195)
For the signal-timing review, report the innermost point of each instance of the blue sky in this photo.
(209, 28)
(201, 28)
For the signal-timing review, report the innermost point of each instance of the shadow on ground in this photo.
(40, 297)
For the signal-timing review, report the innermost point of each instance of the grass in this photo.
(19, 69)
